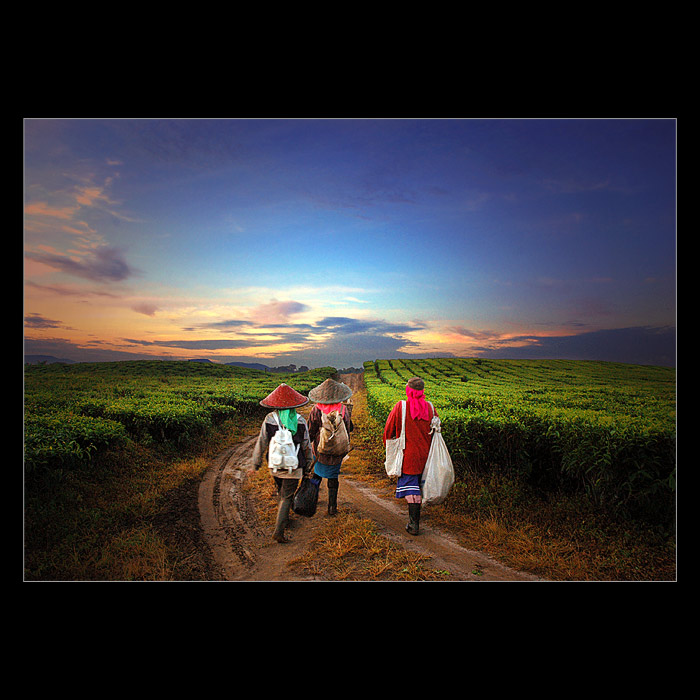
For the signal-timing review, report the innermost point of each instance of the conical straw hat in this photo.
(330, 391)
(284, 397)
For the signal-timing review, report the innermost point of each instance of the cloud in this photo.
(342, 325)
(145, 308)
(37, 321)
(336, 334)
(63, 290)
(277, 311)
(642, 345)
(207, 344)
(44, 209)
(226, 325)
(105, 264)
(476, 335)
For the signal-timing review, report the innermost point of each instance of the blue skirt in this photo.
(326, 471)
(408, 485)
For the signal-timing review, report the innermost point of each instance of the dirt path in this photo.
(245, 551)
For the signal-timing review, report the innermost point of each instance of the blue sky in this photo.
(336, 241)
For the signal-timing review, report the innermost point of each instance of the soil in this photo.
(230, 544)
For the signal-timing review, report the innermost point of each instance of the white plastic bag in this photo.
(438, 475)
(395, 447)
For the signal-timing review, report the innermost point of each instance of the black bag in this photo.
(305, 498)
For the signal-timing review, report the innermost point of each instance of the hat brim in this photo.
(272, 405)
(284, 397)
(342, 393)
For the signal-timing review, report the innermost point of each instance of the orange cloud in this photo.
(43, 209)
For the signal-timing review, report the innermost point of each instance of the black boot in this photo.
(285, 495)
(333, 496)
(282, 520)
(413, 518)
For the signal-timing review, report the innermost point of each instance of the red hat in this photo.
(284, 397)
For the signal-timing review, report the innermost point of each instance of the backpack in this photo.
(333, 437)
(282, 454)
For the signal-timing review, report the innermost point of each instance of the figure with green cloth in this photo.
(298, 458)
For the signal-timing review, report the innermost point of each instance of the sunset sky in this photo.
(330, 242)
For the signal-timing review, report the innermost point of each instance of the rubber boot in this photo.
(282, 520)
(285, 503)
(413, 518)
(333, 485)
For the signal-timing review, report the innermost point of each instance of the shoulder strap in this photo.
(403, 417)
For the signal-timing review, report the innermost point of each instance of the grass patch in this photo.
(349, 548)
(129, 515)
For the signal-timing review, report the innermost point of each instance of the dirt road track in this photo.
(245, 551)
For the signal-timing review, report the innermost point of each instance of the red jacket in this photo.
(418, 438)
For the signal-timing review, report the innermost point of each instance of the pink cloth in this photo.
(417, 404)
(328, 407)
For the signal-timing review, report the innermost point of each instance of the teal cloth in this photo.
(326, 471)
(288, 418)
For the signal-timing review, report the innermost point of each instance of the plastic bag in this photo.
(395, 447)
(438, 475)
(306, 498)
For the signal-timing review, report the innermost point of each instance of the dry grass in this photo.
(260, 487)
(349, 548)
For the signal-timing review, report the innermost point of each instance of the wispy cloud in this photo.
(483, 335)
(638, 345)
(70, 291)
(206, 344)
(277, 311)
(34, 320)
(104, 264)
(43, 209)
(341, 325)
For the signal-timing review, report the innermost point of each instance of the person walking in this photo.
(419, 413)
(330, 425)
(288, 462)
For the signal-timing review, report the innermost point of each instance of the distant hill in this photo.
(250, 365)
(45, 359)
(286, 369)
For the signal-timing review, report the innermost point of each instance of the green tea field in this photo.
(605, 428)
(564, 470)
(75, 411)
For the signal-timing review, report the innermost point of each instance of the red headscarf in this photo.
(328, 407)
(417, 404)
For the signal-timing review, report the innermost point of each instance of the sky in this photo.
(321, 242)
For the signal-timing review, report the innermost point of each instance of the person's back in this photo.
(330, 433)
(418, 416)
(331, 411)
(284, 400)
